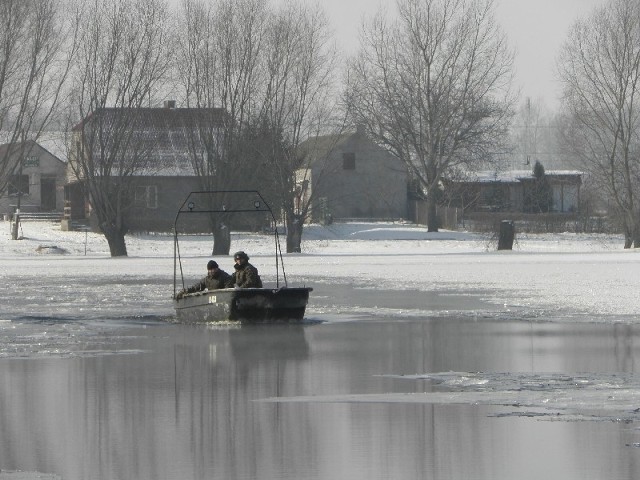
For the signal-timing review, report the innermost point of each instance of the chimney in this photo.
(169, 104)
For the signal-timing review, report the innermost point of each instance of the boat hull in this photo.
(256, 305)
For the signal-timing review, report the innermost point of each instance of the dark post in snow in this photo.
(507, 234)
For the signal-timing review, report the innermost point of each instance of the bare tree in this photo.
(434, 87)
(124, 57)
(297, 103)
(270, 70)
(599, 66)
(221, 45)
(37, 44)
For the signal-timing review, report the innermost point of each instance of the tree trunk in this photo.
(628, 237)
(115, 239)
(15, 227)
(432, 214)
(636, 235)
(294, 234)
(221, 240)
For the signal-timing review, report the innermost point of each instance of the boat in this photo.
(277, 304)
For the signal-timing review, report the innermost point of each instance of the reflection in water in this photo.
(187, 402)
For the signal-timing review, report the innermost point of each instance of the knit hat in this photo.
(212, 264)
(240, 254)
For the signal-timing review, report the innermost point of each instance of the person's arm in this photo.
(198, 287)
(252, 277)
(231, 280)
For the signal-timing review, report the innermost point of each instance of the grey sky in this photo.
(536, 28)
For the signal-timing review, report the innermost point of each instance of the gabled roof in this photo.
(52, 141)
(321, 146)
(159, 118)
(55, 143)
(167, 133)
(14, 149)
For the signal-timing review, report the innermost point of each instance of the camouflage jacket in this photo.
(246, 276)
(220, 279)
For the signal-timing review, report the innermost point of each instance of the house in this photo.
(350, 176)
(37, 182)
(167, 139)
(507, 191)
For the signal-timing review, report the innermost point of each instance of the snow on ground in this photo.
(586, 277)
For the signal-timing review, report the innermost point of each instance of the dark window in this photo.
(19, 184)
(349, 161)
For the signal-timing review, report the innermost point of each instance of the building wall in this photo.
(156, 202)
(376, 186)
(47, 175)
(565, 193)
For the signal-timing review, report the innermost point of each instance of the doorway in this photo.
(47, 194)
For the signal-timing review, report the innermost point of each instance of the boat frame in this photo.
(255, 305)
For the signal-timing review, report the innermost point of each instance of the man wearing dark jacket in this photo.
(246, 275)
(215, 279)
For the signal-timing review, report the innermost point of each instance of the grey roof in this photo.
(319, 147)
(18, 149)
(53, 142)
(167, 134)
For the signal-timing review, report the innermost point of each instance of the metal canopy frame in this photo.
(233, 201)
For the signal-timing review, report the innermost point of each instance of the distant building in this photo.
(506, 191)
(37, 181)
(167, 137)
(350, 176)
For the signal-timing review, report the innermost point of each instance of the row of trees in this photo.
(599, 66)
(267, 69)
(432, 84)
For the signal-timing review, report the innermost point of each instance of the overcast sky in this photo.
(537, 28)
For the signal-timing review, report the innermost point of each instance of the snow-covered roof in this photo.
(167, 135)
(514, 176)
(55, 143)
(52, 141)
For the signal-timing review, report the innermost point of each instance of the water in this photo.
(375, 385)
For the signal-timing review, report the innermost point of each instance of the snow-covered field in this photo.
(576, 277)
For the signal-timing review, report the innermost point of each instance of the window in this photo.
(349, 161)
(19, 184)
(146, 196)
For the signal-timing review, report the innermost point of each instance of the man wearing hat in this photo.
(246, 275)
(215, 279)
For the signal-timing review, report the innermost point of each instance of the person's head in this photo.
(240, 257)
(212, 266)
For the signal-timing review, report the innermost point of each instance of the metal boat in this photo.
(255, 305)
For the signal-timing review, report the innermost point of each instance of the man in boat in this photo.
(246, 275)
(216, 278)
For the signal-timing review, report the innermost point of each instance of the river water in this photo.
(373, 385)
